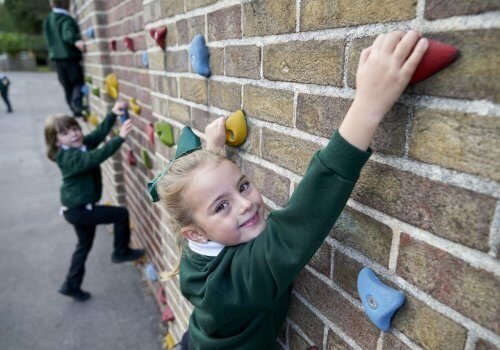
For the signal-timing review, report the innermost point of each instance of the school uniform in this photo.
(61, 33)
(241, 293)
(81, 189)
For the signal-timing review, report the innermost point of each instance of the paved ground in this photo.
(36, 245)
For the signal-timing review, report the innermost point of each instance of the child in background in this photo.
(79, 160)
(4, 91)
(237, 267)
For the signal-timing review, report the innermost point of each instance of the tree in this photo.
(28, 16)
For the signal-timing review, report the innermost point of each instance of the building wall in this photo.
(425, 215)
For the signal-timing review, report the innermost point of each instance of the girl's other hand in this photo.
(385, 69)
(126, 128)
(215, 134)
(119, 107)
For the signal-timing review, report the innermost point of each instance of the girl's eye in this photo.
(221, 206)
(244, 186)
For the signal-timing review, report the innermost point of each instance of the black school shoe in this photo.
(130, 255)
(77, 294)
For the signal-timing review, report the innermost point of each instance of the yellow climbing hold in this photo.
(111, 85)
(92, 119)
(134, 106)
(168, 341)
(236, 128)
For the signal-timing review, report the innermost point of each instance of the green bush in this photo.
(13, 43)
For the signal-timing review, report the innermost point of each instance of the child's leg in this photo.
(105, 214)
(85, 234)
(5, 97)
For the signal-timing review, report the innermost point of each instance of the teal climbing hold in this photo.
(379, 301)
(199, 56)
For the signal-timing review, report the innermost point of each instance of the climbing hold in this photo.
(85, 90)
(167, 314)
(159, 35)
(112, 45)
(165, 133)
(129, 43)
(145, 159)
(438, 56)
(116, 131)
(92, 119)
(111, 85)
(161, 295)
(198, 53)
(88, 79)
(151, 272)
(151, 133)
(168, 342)
(90, 33)
(145, 59)
(134, 106)
(188, 142)
(131, 159)
(236, 128)
(96, 91)
(379, 301)
(124, 115)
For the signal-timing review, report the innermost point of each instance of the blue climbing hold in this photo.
(151, 272)
(85, 90)
(90, 33)
(198, 53)
(145, 59)
(379, 301)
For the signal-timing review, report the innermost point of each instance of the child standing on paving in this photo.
(79, 159)
(236, 266)
(4, 91)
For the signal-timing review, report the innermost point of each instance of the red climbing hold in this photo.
(151, 133)
(438, 56)
(129, 43)
(112, 45)
(159, 36)
(131, 158)
(162, 296)
(167, 314)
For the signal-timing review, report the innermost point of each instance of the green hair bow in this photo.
(188, 142)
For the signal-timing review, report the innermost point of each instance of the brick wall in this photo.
(425, 215)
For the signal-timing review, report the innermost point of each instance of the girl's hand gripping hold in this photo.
(125, 128)
(384, 71)
(215, 134)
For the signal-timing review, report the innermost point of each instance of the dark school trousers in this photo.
(70, 74)
(85, 222)
(5, 97)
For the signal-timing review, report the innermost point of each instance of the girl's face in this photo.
(227, 208)
(71, 137)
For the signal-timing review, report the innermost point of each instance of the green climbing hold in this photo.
(165, 133)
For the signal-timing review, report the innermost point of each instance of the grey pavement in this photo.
(36, 245)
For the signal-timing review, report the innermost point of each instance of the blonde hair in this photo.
(55, 124)
(172, 189)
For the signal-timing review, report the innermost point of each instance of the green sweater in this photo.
(81, 172)
(241, 296)
(61, 32)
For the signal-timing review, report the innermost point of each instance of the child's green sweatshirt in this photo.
(81, 171)
(61, 33)
(241, 296)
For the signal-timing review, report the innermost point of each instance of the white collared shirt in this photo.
(209, 248)
(61, 11)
